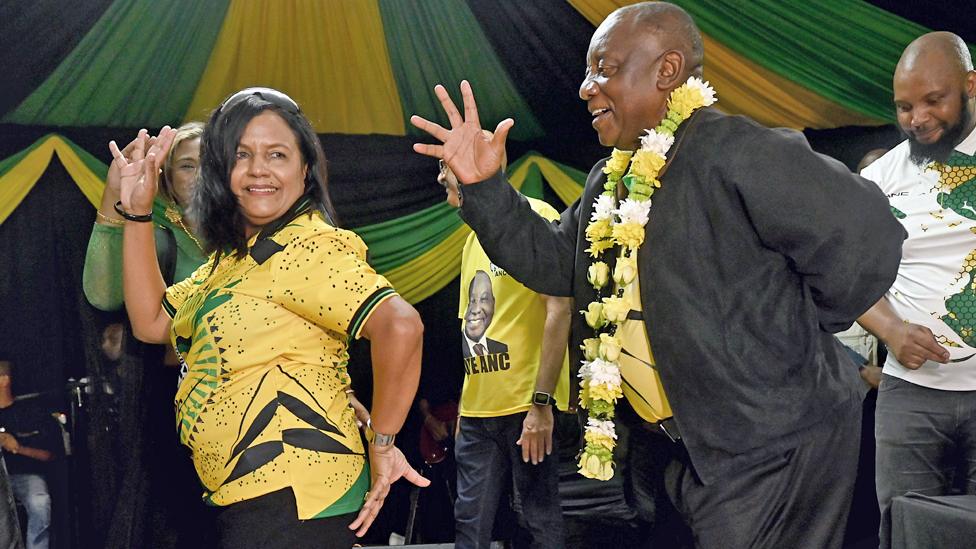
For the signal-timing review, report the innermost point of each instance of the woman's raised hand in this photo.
(138, 169)
(470, 154)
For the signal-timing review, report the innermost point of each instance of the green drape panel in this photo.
(397, 241)
(138, 66)
(440, 42)
(844, 50)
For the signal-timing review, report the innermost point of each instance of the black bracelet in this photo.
(131, 217)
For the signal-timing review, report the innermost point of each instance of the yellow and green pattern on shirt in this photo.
(262, 406)
(502, 383)
(641, 382)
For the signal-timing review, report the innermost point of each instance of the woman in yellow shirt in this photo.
(262, 329)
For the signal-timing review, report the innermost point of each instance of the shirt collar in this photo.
(968, 145)
(472, 343)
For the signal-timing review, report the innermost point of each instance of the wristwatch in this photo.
(377, 439)
(543, 399)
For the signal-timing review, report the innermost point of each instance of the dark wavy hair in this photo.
(213, 207)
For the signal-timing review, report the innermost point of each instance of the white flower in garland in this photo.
(602, 208)
(601, 372)
(605, 428)
(706, 91)
(634, 211)
(659, 143)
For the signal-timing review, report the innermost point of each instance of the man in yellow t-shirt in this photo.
(514, 354)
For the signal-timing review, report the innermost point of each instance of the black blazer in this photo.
(756, 250)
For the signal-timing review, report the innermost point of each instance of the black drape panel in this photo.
(35, 37)
(954, 16)
(42, 249)
(45, 323)
(542, 45)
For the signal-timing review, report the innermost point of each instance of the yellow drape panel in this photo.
(565, 187)
(328, 55)
(744, 87)
(18, 182)
(423, 277)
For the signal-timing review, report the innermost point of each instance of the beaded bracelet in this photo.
(132, 217)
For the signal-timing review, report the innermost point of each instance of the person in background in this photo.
(179, 249)
(30, 440)
(514, 358)
(158, 503)
(262, 331)
(926, 412)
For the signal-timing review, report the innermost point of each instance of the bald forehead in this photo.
(935, 52)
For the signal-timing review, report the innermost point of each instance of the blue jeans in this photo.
(925, 437)
(488, 458)
(31, 492)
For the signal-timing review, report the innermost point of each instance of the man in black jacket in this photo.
(757, 249)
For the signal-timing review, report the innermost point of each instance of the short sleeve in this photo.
(177, 293)
(325, 279)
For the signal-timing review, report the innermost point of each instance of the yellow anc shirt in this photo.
(641, 382)
(264, 341)
(500, 380)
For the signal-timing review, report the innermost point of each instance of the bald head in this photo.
(945, 49)
(670, 26)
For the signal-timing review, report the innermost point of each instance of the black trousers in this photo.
(271, 522)
(799, 499)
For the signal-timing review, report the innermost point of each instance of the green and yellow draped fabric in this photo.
(358, 67)
(817, 64)
(419, 253)
(361, 68)
(364, 67)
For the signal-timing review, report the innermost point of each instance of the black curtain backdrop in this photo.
(47, 329)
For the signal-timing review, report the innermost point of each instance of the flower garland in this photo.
(622, 224)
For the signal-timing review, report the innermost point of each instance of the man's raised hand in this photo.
(470, 154)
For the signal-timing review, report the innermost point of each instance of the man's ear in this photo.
(669, 74)
(971, 84)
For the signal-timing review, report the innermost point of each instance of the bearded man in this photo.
(926, 413)
(755, 250)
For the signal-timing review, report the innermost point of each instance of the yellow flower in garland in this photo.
(598, 247)
(626, 270)
(609, 347)
(684, 101)
(591, 466)
(599, 230)
(604, 393)
(614, 309)
(598, 274)
(599, 439)
(594, 315)
(618, 162)
(630, 235)
(647, 164)
(590, 348)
